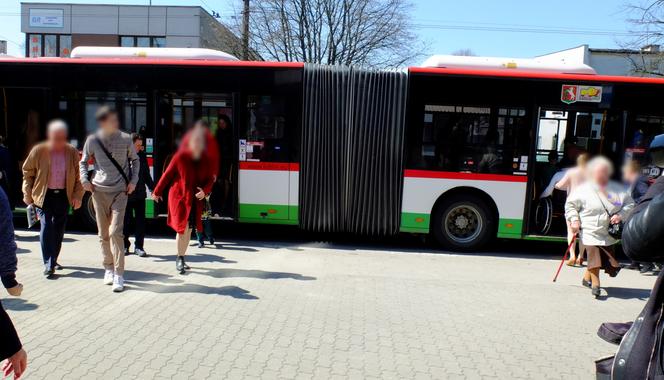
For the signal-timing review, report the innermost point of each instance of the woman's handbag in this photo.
(615, 229)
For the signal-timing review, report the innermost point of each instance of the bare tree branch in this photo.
(371, 33)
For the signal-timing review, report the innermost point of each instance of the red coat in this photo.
(184, 175)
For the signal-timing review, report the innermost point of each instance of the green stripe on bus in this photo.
(415, 222)
(149, 208)
(510, 228)
(266, 213)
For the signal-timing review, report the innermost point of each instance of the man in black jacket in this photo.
(640, 353)
(136, 201)
(10, 344)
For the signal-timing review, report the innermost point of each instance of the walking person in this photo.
(10, 344)
(190, 177)
(637, 183)
(116, 171)
(573, 178)
(51, 183)
(590, 210)
(135, 212)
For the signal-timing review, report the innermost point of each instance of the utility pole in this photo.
(245, 31)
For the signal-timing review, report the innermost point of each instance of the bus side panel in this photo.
(422, 190)
(264, 193)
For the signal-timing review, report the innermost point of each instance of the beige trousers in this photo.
(109, 212)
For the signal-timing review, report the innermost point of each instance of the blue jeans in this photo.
(52, 217)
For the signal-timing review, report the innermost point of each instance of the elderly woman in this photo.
(190, 176)
(590, 209)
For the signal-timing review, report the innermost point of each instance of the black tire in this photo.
(463, 223)
(87, 213)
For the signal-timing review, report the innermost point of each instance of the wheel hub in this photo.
(463, 223)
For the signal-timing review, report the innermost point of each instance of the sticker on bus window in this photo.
(574, 93)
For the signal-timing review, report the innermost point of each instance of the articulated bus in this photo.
(457, 153)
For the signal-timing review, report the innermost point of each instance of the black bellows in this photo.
(351, 164)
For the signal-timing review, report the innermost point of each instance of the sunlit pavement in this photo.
(259, 309)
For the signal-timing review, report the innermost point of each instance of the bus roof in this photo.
(151, 61)
(515, 73)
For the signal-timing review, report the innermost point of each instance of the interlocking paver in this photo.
(255, 310)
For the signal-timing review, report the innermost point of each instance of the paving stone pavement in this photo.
(265, 310)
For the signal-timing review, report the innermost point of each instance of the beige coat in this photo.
(584, 204)
(37, 170)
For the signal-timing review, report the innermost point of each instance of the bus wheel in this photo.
(463, 223)
(87, 212)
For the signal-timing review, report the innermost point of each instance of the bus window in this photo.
(266, 129)
(474, 139)
(639, 135)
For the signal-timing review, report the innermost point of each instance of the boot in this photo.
(179, 264)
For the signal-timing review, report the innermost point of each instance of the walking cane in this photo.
(569, 247)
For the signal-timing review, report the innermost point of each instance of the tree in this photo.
(370, 33)
(647, 18)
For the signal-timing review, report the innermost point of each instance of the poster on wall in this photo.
(47, 18)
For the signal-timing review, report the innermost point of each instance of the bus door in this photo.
(562, 135)
(177, 112)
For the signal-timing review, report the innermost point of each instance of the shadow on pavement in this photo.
(141, 281)
(130, 275)
(253, 273)
(195, 258)
(20, 250)
(626, 293)
(230, 291)
(17, 304)
(35, 237)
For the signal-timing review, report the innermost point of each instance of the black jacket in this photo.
(144, 179)
(9, 341)
(641, 354)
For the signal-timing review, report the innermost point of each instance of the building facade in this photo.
(648, 61)
(53, 30)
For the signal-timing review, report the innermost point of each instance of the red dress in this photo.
(185, 175)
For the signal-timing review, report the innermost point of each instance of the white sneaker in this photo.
(118, 284)
(108, 277)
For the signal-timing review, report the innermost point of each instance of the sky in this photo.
(507, 28)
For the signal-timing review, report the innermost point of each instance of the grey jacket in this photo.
(106, 177)
(586, 205)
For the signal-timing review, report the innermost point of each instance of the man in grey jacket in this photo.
(116, 170)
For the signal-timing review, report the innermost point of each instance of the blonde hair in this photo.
(633, 166)
(600, 161)
(582, 159)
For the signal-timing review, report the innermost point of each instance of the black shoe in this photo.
(211, 241)
(48, 273)
(127, 253)
(596, 292)
(645, 268)
(58, 267)
(179, 264)
(633, 266)
(587, 284)
(201, 244)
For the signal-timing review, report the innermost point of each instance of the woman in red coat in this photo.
(191, 177)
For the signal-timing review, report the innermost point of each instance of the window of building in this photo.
(142, 41)
(472, 139)
(50, 45)
(65, 45)
(34, 45)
